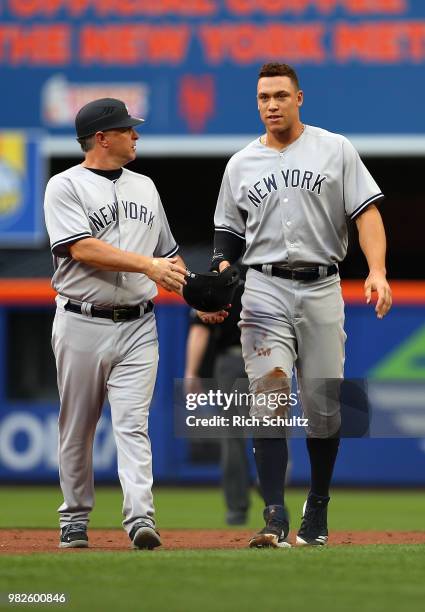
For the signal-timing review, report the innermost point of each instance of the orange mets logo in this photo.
(197, 100)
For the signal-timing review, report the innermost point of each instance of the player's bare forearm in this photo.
(373, 244)
(98, 254)
(196, 346)
(372, 239)
(103, 256)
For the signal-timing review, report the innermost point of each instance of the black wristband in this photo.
(227, 247)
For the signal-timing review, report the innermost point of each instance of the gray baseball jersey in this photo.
(291, 206)
(96, 356)
(126, 213)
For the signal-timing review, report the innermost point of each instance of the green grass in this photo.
(204, 508)
(370, 578)
(341, 579)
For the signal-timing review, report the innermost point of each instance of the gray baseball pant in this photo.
(286, 324)
(96, 357)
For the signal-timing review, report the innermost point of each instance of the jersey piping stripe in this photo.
(225, 229)
(71, 239)
(170, 253)
(366, 203)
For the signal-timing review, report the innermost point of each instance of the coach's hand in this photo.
(376, 281)
(168, 273)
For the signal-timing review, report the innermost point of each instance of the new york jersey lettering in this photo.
(261, 189)
(138, 212)
(304, 180)
(292, 178)
(106, 215)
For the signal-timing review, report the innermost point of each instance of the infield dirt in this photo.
(27, 541)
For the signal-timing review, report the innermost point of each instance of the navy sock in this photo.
(271, 458)
(323, 452)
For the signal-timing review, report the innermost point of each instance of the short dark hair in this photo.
(275, 69)
(86, 143)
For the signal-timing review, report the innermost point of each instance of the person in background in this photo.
(227, 368)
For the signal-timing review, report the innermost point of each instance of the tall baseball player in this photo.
(287, 197)
(111, 243)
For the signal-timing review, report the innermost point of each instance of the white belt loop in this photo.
(323, 271)
(267, 269)
(86, 309)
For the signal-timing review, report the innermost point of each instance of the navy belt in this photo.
(117, 313)
(302, 274)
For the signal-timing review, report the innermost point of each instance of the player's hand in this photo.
(167, 273)
(376, 281)
(213, 317)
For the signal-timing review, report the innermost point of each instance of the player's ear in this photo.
(300, 97)
(101, 139)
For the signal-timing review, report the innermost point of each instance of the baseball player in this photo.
(286, 197)
(111, 243)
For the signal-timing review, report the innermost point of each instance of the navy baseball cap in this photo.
(103, 114)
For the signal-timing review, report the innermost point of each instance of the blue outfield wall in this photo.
(28, 432)
(185, 64)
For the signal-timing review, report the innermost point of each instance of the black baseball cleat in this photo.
(74, 535)
(276, 531)
(314, 525)
(144, 536)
